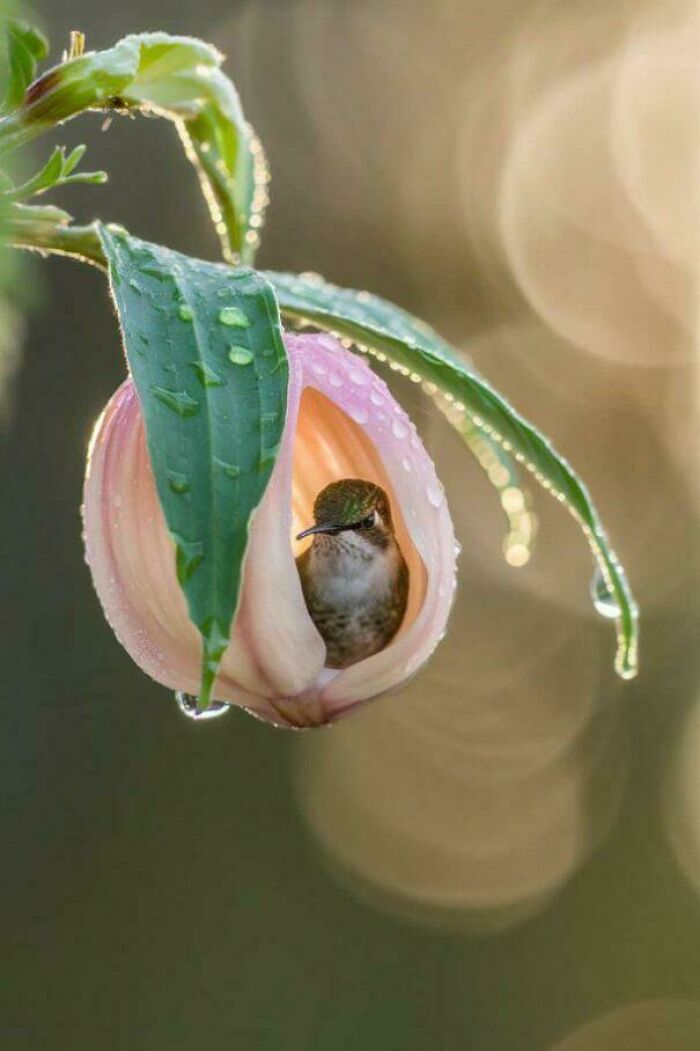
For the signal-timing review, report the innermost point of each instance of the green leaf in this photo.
(211, 456)
(23, 47)
(178, 78)
(372, 322)
(59, 170)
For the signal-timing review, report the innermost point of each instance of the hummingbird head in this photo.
(352, 504)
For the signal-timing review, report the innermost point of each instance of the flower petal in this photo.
(341, 422)
(275, 648)
(357, 429)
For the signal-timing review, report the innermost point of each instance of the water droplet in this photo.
(133, 283)
(231, 469)
(157, 272)
(187, 703)
(268, 457)
(240, 355)
(206, 375)
(185, 312)
(603, 599)
(233, 317)
(435, 494)
(178, 482)
(358, 414)
(177, 400)
(376, 398)
(318, 369)
(327, 342)
(189, 555)
(358, 377)
(406, 464)
(399, 428)
(335, 379)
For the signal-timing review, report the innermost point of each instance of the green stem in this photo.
(79, 242)
(14, 132)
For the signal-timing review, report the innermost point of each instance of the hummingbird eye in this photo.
(369, 522)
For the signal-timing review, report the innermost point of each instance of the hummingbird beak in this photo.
(325, 527)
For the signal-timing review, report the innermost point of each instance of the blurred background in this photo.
(505, 856)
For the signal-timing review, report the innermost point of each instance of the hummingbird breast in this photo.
(356, 595)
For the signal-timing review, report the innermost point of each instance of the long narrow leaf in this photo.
(203, 409)
(372, 322)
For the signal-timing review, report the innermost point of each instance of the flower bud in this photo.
(342, 422)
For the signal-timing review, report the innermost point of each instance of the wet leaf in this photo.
(375, 323)
(195, 423)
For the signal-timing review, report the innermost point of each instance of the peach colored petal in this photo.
(341, 422)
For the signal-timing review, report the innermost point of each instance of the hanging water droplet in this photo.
(406, 463)
(376, 398)
(399, 428)
(603, 599)
(335, 379)
(185, 312)
(233, 317)
(187, 703)
(240, 355)
(357, 376)
(179, 401)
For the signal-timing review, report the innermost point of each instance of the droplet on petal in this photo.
(435, 494)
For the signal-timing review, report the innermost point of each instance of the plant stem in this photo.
(79, 242)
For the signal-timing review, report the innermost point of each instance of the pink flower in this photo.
(342, 422)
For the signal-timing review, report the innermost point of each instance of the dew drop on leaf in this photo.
(206, 375)
(233, 317)
(230, 469)
(179, 401)
(604, 601)
(189, 555)
(185, 312)
(178, 482)
(240, 355)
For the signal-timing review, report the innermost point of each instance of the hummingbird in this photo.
(353, 576)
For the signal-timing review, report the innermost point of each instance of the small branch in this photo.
(79, 242)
